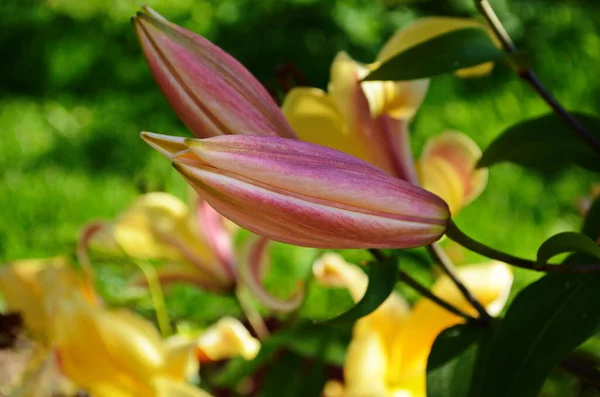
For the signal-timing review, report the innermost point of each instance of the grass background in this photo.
(75, 92)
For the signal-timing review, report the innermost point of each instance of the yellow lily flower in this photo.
(114, 352)
(387, 356)
(22, 292)
(160, 226)
(370, 119)
(196, 244)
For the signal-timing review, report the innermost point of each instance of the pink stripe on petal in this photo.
(251, 267)
(321, 173)
(211, 91)
(300, 220)
(213, 228)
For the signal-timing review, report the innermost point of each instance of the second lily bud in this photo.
(304, 194)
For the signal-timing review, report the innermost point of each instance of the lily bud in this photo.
(304, 194)
(211, 92)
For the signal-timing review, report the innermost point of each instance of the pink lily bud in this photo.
(211, 92)
(305, 194)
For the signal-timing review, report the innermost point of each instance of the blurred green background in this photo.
(75, 92)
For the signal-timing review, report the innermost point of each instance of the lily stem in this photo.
(414, 284)
(528, 75)
(448, 267)
(454, 233)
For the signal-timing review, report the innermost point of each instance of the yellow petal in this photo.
(490, 283)
(399, 100)
(334, 388)
(105, 350)
(461, 153)
(366, 366)
(439, 177)
(145, 229)
(316, 119)
(165, 387)
(426, 28)
(20, 286)
(331, 270)
(226, 339)
(180, 362)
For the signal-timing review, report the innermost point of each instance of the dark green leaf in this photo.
(567, 242)
(452, 360)
(442, 54)
(382, 279)
(591, 225)
(545, 322)
(305, 340)
(309, 375)
(544, 144)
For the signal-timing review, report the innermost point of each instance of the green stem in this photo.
(414, 284)
(158, 299)
(448, 267)
(454, 233)
(528, 75)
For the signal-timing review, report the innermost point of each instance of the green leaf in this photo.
(382, 279)
(567, 242)
(306, 340)
(544, 144)
(591, 225)
(452, 360)
(442, 54)
(545, 322)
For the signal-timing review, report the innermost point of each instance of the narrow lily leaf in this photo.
(567, 242)
(382, 279)
(544, 144)
(591, 225)
(537, 333)
(452, 360)
(446, 53)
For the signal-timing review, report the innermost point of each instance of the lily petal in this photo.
(424, 29)
(253, 261)
(157, 226)
(490, 283)
(165, 387)
(316, 119)
(180, 360)
(225, 339)
(310, 195)
(210, 91)
(460, 153)
(376, 115)
(22, 292)
(212, 226)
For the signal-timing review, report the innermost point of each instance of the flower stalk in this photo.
(528, 75)
(414, 284)
(454, 233)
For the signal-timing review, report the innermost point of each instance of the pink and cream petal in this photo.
(462, 153)
(253, 260)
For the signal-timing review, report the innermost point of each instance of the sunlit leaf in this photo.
(544, 144)
(453, 358)
(567, 242)
(382, 279)
(545, 322)
(442, 54)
